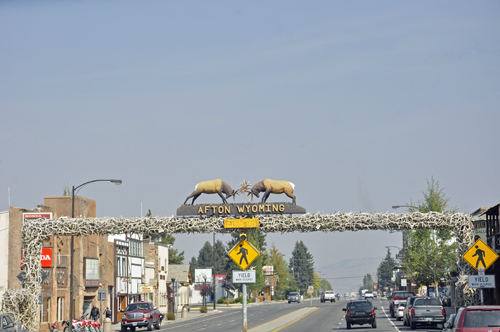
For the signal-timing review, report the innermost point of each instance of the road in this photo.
(326, 317)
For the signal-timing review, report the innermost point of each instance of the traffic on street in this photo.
(315, 316)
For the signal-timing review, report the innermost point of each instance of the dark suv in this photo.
(360, 312)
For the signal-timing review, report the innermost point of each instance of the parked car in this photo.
(475, 319)
(396, 298)
(140, 314)
(427, 311)
(360, 312)
(407, 311)
(294, 297)
(446, 297)
(327, 296)
(374, 294)
(400, 310)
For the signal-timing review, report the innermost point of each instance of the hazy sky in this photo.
(356, 102)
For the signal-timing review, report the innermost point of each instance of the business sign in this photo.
(244, 277)
(46, 257)
(37, 215)
(268, 270)
(486, 281)
(480, 255)
(145, 289)
(239, 209)
(201, 274)
(403, 282)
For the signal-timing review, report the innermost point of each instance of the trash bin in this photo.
(184, 313)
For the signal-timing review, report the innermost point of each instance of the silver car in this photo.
(294, 297)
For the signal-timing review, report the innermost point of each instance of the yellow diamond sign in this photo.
(480, 255)
(243, 254)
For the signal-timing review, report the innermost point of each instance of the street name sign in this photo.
(244, 277)
(486, 281)
(101, 295)
(241, 223)
(243, 254)
(480, 255)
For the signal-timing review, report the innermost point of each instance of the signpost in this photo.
(310, 290)
(481, 254)
(101, 296)
(243, 254)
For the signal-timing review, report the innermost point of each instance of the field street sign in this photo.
(486, 281)
(243, 254)
(244, 277)
(241, 223)
(480, 255)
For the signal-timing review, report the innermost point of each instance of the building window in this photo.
(60, 309)
(91, 272)
(121, 266)
(135, 248)
(46, 309)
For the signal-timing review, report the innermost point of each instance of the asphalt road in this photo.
(326, 317)
(330, 317)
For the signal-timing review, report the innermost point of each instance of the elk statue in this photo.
(212, 187)
(272, 186)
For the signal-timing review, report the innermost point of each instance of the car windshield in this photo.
(431, 301)
(294, 294)
(397, 295)
(482, 318)
(137, 306)
(360, 306)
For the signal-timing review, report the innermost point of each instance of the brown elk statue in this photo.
(212, 187)
(275, 187)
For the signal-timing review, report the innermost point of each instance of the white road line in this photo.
(389, 319)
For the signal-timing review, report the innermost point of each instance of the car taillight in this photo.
(348, 314)
(443, 312)
(373, 312)
(413, 312)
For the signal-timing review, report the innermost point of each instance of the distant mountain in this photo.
(347, 275)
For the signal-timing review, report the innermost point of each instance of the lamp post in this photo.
(174, 307)
(71, 283)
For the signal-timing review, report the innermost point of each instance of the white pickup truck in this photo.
(368, 295)
(327, 296)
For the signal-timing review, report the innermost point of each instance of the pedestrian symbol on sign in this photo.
(243, 253)
(480, 254)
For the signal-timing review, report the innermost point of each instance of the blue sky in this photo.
(356, 102)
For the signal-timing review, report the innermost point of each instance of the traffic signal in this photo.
(243, 237)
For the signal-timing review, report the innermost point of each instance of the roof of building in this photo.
(181, 272)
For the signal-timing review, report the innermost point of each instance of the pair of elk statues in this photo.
(220, 187)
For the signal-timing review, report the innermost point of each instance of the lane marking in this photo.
(389, 319)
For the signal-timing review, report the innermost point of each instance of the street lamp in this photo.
(71, 283)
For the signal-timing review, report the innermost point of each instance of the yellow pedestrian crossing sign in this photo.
(243, 254)
(480, 255)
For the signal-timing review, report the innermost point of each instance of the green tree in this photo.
(66, 190)
(430, 254)
(385, 272)
(325, 285)
(368, 282)
(301, 265)
(316, 282)
(280, 269)
(206, 257)
(174, 256)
